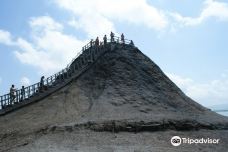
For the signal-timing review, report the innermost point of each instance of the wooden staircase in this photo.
(84, 61)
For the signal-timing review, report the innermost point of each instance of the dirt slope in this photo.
(124, 87)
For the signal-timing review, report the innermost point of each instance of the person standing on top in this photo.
(91, 43)
(22, 93)
(97, 41)
(132, 43)
(12, 94)
(105, 40)
(112, 37)
(42, 83)
(122, 38)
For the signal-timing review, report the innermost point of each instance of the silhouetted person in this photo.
(22, 93)
(132, 43)
(42, 83)
(91, 42)
(97, 41)
(105, 39)
(112, 37)
(12, 94)
(122, 38)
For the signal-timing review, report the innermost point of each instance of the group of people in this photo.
(13, 91)
(13, 94)
(112, 39)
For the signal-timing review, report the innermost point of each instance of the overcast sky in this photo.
(187, 39)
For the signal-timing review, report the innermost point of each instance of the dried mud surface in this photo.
(124, 102)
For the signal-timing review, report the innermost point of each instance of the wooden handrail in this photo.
(75, 64)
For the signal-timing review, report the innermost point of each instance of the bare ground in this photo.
(123, 103)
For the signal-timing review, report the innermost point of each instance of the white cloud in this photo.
(5, 37)
(45, 23)
(180, 81)
(0, 80)
(95, 26)
(25, 81)
(211, 9)
(96, 17)
(50, 49)
(210, 93)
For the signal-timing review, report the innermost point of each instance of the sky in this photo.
(187, 39)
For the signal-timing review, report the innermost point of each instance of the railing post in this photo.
(29, 92)
(51, 80)
(7, 99)
(17, 95)
(38, 87)
(34, 89)
(62, 75)
(4, 101)
(20, 95)
(55, 77)
(26, 92)
(67, 72)
(1, 102)
(72, 68)
(59, 76)
(70, 71)
(47, 82)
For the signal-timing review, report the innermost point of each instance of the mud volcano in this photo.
(122, 102)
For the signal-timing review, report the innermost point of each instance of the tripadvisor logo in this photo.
(177, 141)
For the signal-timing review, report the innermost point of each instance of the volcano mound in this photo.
(122, 93)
